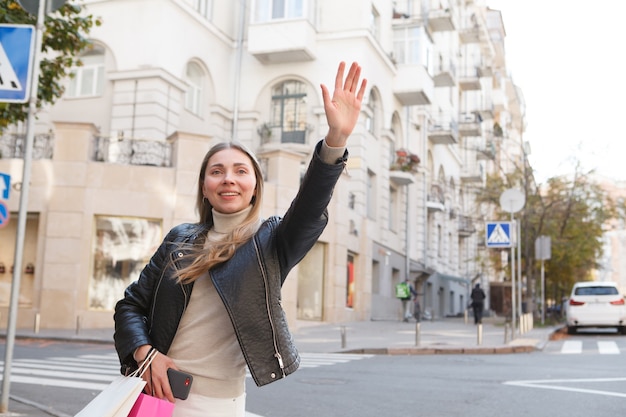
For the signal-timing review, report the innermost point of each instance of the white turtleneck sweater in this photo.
(205, 344)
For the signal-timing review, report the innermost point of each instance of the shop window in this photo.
(121, 248)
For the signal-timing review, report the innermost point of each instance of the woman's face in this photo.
(229, 181)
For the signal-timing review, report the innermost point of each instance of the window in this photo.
(371, 195)
(310, 303)
(411, 46)
(350, 282)
(193, 96)
(203, 7)
(393, 209)
(289, 111)
(371, 121)
(266, 10)
(87, 80)
(374, 23)
(121, 247)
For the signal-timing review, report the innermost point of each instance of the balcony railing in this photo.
(132, 151)
(466, 226)
(12, 145)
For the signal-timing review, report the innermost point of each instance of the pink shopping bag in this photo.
(147, 406)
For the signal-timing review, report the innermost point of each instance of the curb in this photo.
(444, 350)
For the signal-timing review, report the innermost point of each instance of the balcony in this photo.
(435, 200)
(466, 226)
(296, 133)
(413, 86)
(402, 169)
(133, 151)
(445, 75)
(469, 80)
(487, 151)
(12, 146)
(441, 20)
(469, 35)
(469, 124)
(282, 41)
(473, 172)
(443, 132)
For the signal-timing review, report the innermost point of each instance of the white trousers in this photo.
(201, 406)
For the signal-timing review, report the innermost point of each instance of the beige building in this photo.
(116, 159)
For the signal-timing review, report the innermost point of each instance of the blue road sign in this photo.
(4, 214)
(5, 186)
(17, 44)
(499, 235)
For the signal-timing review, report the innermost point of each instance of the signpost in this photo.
(9, 48)
(512, 201)
(543, 252)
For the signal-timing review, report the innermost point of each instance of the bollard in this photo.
(77, 324)
(479, 334)
(466, 318)
(417, 333)
(37, 321)
(506, 333)
(342, 330)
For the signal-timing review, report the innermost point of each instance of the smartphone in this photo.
(180, 383)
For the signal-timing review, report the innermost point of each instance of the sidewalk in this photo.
(442, 336)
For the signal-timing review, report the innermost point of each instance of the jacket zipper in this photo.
(277, 354)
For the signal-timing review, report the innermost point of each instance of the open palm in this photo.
(343, 109)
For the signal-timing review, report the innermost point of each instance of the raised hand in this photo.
(342, 111)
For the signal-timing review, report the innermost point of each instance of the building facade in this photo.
(116, 159)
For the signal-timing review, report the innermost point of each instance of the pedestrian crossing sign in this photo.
(499, 234)
(16, 62)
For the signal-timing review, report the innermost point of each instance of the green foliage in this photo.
(64, 38)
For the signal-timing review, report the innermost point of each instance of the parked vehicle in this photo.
(595, 304)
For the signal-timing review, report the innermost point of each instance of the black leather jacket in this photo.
(249, 283)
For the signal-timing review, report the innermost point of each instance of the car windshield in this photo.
(596, 291)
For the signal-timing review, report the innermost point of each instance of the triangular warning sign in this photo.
(498, 235)
(8, 79)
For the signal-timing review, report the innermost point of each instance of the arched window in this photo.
(195, 78)
(87, 80)
(289, 111)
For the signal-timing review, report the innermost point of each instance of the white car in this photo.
(595, 304)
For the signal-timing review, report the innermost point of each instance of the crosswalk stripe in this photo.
(572, 347)
(603, 347)
(608, 348)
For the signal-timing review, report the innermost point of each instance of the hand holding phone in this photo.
(180, 383)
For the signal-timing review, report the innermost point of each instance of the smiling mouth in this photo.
(232, 194)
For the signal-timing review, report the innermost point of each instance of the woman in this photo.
(209, 299)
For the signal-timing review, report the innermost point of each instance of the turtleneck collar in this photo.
(226, 223)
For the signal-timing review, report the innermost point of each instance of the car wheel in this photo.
(571, 329)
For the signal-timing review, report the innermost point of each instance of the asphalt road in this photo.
(579, 375)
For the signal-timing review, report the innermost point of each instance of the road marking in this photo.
(553, 385)
(608, 348)
(95, 372)
(572, 347)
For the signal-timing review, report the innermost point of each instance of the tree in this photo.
(64, 39)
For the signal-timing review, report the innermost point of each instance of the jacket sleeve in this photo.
(132, 311)
(307, 216)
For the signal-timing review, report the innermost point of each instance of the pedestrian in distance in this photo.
(478, 303)
(405, 292)
(208, 301)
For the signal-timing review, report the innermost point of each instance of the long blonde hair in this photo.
(218, 252)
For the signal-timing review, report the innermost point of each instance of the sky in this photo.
(569, 59)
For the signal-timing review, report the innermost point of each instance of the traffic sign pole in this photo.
(21, 221)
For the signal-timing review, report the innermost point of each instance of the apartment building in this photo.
(116, 159)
